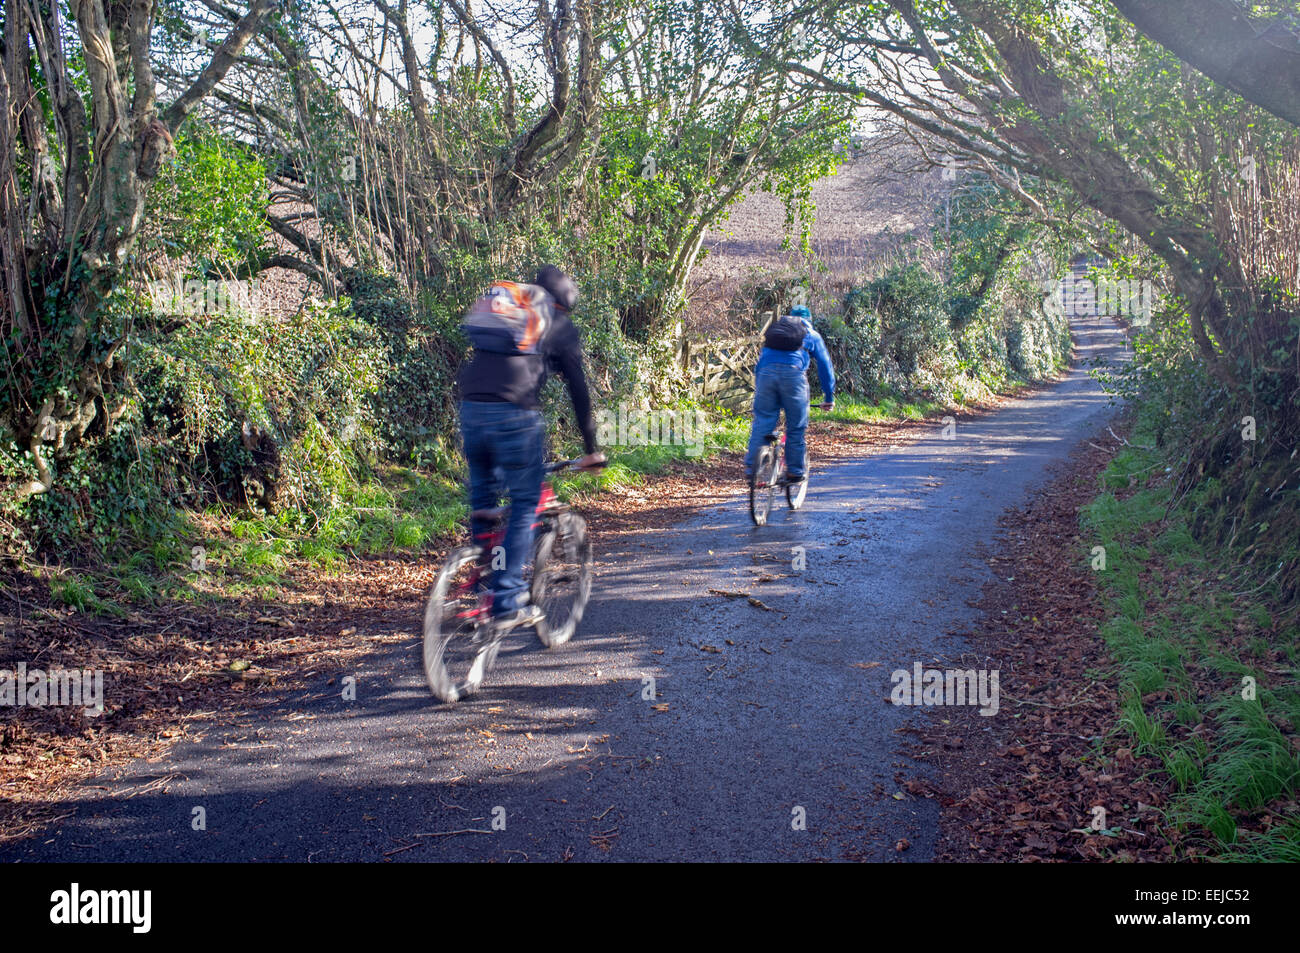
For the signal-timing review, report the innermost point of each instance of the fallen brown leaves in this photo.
(1023, 785)
(173, 671)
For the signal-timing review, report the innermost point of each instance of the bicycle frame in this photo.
(548, 506)
(777, 440)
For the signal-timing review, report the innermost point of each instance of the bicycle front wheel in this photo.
(562, 579)
(762, 485)
(460, 644)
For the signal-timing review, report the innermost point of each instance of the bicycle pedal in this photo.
(529, 615)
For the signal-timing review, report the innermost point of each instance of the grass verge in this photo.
(1205, 661)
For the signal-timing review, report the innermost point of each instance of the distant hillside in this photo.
(864, 213)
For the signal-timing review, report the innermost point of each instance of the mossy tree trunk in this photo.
(75, 172)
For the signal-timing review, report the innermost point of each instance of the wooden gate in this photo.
(721, 371)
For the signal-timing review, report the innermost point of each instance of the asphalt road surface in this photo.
(768, 736)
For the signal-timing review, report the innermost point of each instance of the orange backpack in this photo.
(511, 318)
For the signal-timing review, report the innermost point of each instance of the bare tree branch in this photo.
(1219, 38)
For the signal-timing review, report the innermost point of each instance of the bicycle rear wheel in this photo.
(460, 642)
(762, 485)
(562, 579)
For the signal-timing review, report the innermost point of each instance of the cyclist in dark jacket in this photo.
(501, 423)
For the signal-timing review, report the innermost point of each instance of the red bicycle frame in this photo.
(487, 543)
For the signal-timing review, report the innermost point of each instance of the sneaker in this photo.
(523, 616)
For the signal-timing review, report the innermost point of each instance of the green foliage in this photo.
(997, 258)
(303, 380)
(897, 335)
(675, 154)
(208, 206)
(1239, 491)
(894, 335)
(980, 328)
(1038, 343)
(422, 347)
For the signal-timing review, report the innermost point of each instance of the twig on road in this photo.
(1136, 446)
(467, 830)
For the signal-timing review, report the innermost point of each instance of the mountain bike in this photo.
(461, 639)
(769, 474)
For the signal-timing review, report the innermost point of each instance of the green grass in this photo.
(628, 466)
(73, 591)
(1185, 638)
(77, 591)
(850, 409)
(398, 510)
(250, 552)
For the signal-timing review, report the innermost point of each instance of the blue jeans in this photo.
(780, 387)
(503, 446)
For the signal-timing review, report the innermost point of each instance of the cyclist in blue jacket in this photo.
(781, 383)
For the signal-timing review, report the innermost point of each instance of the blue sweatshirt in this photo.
(814, 349)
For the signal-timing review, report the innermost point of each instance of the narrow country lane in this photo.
(760, 710)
